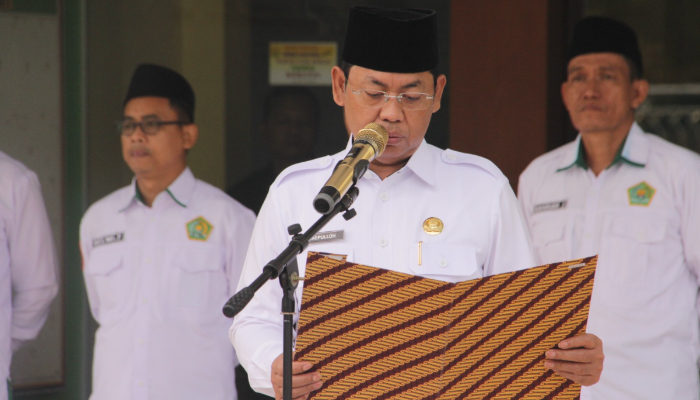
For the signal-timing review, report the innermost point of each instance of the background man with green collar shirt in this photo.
(458, 207)
(634, 199)
(161, 256)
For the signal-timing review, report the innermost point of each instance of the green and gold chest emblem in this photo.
(641, 194)
(199, 229)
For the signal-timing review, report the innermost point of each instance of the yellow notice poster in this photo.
(302, 63)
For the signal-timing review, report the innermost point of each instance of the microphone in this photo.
(369, 144)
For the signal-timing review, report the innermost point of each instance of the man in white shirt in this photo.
(634, 199)
(458, 208)
(28, 281)
(160, 257)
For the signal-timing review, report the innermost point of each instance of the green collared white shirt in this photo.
(641, 216)
(622, 156)
(156, 279)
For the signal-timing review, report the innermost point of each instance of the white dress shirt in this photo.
(157, 279)
(484, 234)
(642, 216)
(28, 280)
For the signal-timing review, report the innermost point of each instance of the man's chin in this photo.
(593, 128)
(592, 124)
(139, 169)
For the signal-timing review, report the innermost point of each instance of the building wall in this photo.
(187, 36)
(499, 96)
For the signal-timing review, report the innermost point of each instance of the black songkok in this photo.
(154, 80)
(387, 40)
(605, 35)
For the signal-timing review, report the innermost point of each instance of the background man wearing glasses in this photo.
(160, 256)
(388, 77)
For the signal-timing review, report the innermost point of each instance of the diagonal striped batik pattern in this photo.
(378, 334)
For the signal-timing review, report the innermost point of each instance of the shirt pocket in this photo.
(624, 277)
(200, 285)
(625, 251)
(549, 241)
(110, 276)
(444, 262)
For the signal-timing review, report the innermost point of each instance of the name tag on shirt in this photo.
(107, 239)
(553, 206)
(327, 236)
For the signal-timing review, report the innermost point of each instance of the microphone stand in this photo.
(286, 269)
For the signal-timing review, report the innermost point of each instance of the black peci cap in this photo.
(605, 35)
(392, 40)
(158, 81)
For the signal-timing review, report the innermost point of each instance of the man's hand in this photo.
(303, 382)
(579, 358)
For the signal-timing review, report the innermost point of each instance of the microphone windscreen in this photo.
(376, 135)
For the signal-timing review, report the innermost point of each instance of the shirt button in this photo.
(152, 219)
(141, 342)
(144, 301)
(141, 383)
(148, 260)
(443, 263)
(451, 156)
(383, 242)
(384, 196)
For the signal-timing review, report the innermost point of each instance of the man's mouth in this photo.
(394, 138)
(139, 152)
(592, 107)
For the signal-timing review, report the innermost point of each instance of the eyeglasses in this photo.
(149, 127)
(409, 101)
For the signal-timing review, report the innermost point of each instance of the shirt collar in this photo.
(633, 151)
(421, 162)
(575, 156)
(636, 149)
(180, 190)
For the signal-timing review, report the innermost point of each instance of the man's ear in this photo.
(440, 83)
(564, 88)
(190, 134)
(641, 90)
(338, 80)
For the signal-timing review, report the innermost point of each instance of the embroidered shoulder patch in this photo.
(641, 194)
(199, 229)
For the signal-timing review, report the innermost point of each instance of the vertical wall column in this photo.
(239, 89)
(203, 65)
(499, 78)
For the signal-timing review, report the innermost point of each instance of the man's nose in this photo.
(591, 88)
(391, 110)
(138, 135)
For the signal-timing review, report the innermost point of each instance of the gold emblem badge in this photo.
(199, 229)
(433, 226)
(641, 194)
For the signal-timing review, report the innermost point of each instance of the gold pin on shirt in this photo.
(420, 253)
(433, 226)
